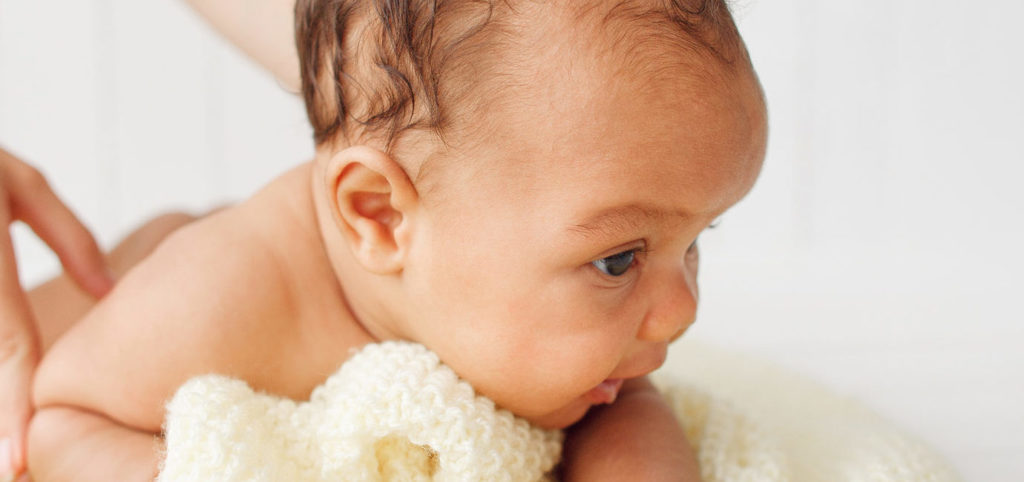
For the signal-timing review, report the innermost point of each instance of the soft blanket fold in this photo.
(395, 412)
(392, 412)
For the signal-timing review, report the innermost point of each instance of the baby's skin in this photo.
(550, 265)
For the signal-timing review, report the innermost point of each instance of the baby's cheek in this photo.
(521, 309)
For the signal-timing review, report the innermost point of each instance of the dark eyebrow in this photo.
(623, 220)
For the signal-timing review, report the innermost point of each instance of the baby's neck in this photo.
(370, 300)
(288, 221)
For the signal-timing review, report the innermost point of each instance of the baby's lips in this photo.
(605, 392)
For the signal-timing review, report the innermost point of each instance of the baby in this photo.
(519, 186)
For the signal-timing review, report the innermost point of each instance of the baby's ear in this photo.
(372, 202)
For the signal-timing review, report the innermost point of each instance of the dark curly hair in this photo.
(375, 69)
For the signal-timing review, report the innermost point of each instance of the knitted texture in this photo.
(729, 445)
(392, 412)
(749, 419)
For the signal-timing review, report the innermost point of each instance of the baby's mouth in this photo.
(605, 392)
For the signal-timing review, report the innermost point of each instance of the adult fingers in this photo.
(15, 403)
(33, 202)
(18, 358)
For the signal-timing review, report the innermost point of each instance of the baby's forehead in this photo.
(689, 138)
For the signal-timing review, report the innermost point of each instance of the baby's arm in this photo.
(192, 307)
(635, 438)
(71, 444)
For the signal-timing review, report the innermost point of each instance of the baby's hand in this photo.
(635, 438)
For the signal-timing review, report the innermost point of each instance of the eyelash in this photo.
(637, 254)
(641, 251)
(598, 263)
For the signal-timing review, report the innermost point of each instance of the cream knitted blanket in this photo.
(394, 412)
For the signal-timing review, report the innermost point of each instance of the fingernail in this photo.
(6, 467)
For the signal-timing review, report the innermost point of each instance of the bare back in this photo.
(246, 292)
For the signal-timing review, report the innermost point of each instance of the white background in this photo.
(879, 253)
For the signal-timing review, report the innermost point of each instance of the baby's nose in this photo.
(673, 308)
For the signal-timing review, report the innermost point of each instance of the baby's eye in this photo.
(616, 264)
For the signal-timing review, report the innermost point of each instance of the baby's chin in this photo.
(562, 417)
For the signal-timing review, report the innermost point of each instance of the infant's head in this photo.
(519, 185)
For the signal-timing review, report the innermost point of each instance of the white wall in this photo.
(879, 251)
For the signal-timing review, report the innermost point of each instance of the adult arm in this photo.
(263, 29)
(635, 438)
(26, 196)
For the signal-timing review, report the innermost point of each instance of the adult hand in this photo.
(25, 196)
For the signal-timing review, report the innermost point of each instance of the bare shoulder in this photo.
(209, 299)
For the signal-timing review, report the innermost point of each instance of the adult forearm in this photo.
(263, 29)
(67, 444)
(636, 438)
